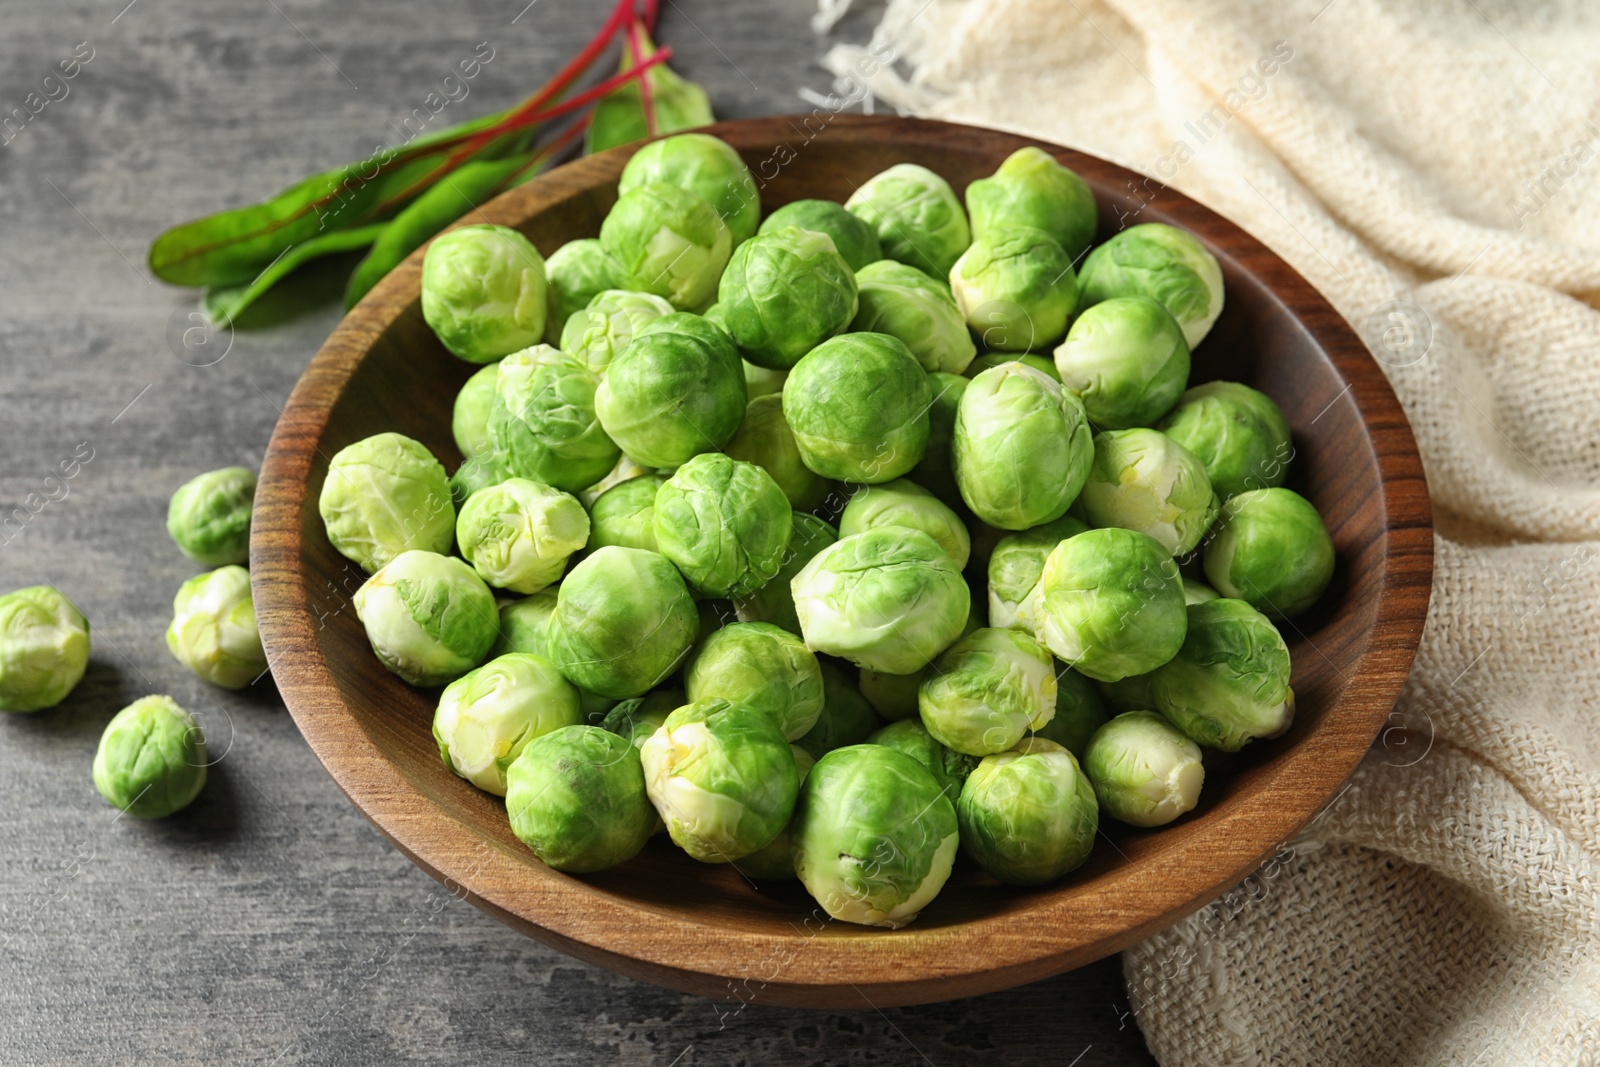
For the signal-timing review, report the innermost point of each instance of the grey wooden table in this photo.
(270, 923)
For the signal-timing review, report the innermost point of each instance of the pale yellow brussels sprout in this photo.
(484, 292)
(987, 691)
(1145, 772)
(1144, 480)
(44, 648)
(916, 215)
(903, 302)
(213, 630)
(486, 717)
(385, 495)
(430, 618)
(469, 416)
(519, 534)
(1015, 289)
(598, 332)
(668, 241)
(1016, 564)
(705, 165)
(1159, 261)
(575, 274)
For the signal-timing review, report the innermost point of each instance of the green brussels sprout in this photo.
(989, 360)
(948, 767)
(784, 293)
(602, 329)
(760, 666)
(723, 778)
(1021, 449)
(874, 836)
(889, 599)
(775, 862)
(1144, 480)
(758, 381)
(1079, 712)
(543, 423)
(1144, 772)
(1016, 289)
(385, 495)
(637, 718)
(706, 166)
(625, 514)
(213, 630)
(934, 471)
(524, 624)
(893, 695)
(916, 215)
(908, 506)
(1126, 359)
(576, 273)
(430, 618)
(469, 418)
(626, 470)
(1197, 592)
(1159, 261)
(774, 602)
(855, 240)
(667, 241)
(847, 718)
(1109, 603)
(1032, 189)
(486, 717)
(1270, 550)
(1238, 434)
(209, 516)
(724, 523)
(1029, 815)
(576, 797)
(675, 392)
(764, 438)
(858, 407)
(518, 535)
(905, 303)
(1015, 566)
(987, 691)
(1229, 683)
(475, 474)
(44, 648)
(624, 620)
(483, 292)
(152, 759)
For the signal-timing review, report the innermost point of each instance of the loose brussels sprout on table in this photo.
(1022, 447)
(909, 506)
(857, 405)
(209, 516)
(1162, 262)
(1144, 771)
(1017, 562)
(1127, 361)
(152, 759)
(385, 495)
(1144, 480)
(905, 303)
(486, 717)
(774, 601)
(483, 292)
(213, 630)
(575, 274)
(430, 618)
(44, 648)
(576, 797)
(1270, 550)
(1238, 434)
(623, 622)
(542, 423)
(759, 666)
(784, 293)
(625, 514)
(1229, 682)
(764, 438)
(987, 691)
(1031, 189)
(518, 535)
(852, 238)
(601, 330)
(706, 166)
(1015, 289)
(1028, 815)
(668, 241)
(916, 215)
(724, 523)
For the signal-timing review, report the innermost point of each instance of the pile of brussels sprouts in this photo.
(830, 542)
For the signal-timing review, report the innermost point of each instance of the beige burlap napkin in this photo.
(1433, 166)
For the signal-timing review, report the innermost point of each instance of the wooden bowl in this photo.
(667, 919)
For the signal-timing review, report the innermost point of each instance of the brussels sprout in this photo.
(905, 303)
(543, 423)
(1197, 592)
(1016, 289)
(934, 471)
(1032, 189)
(487, 716)
(948, 767)
(1159, 261)
(774, 602)
(1144, 480)
(893, 695)
(1028, 815)
(385, 495)
(1127, 361)
(990, 360)
(209, 516)
(725, 523)
(469, 418)
(758, 381)
(909, 506)
(430, 618)
(576, 273)
(759, 666)
(784, 293)
(858, 407)
(1016, 563)
(1229, 683)
(213, 630)
(1079, 712)
(637, 718)
(847, 718)
(626, 470)
(667, 241)
(524, 624)
(775, 862)
(475, 474)
(855, 240)
(874, 836)
(1271, 551)
(624, 620)
(1109, 603)
(987, 691)
(723, 778)
(602, 329)
(764, 438)
(518, 535)
(1144, 771)
(1021, 448)
(1237, 433)
(483, 292)
(916, 215)
(625, 514)
(675, 392)
(889, 599)
(152, 759)
(44, 648)
(706, 166)
(576, 797)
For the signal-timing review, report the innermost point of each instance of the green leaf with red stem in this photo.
(673, 103)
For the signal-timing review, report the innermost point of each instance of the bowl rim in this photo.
(824, 966)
